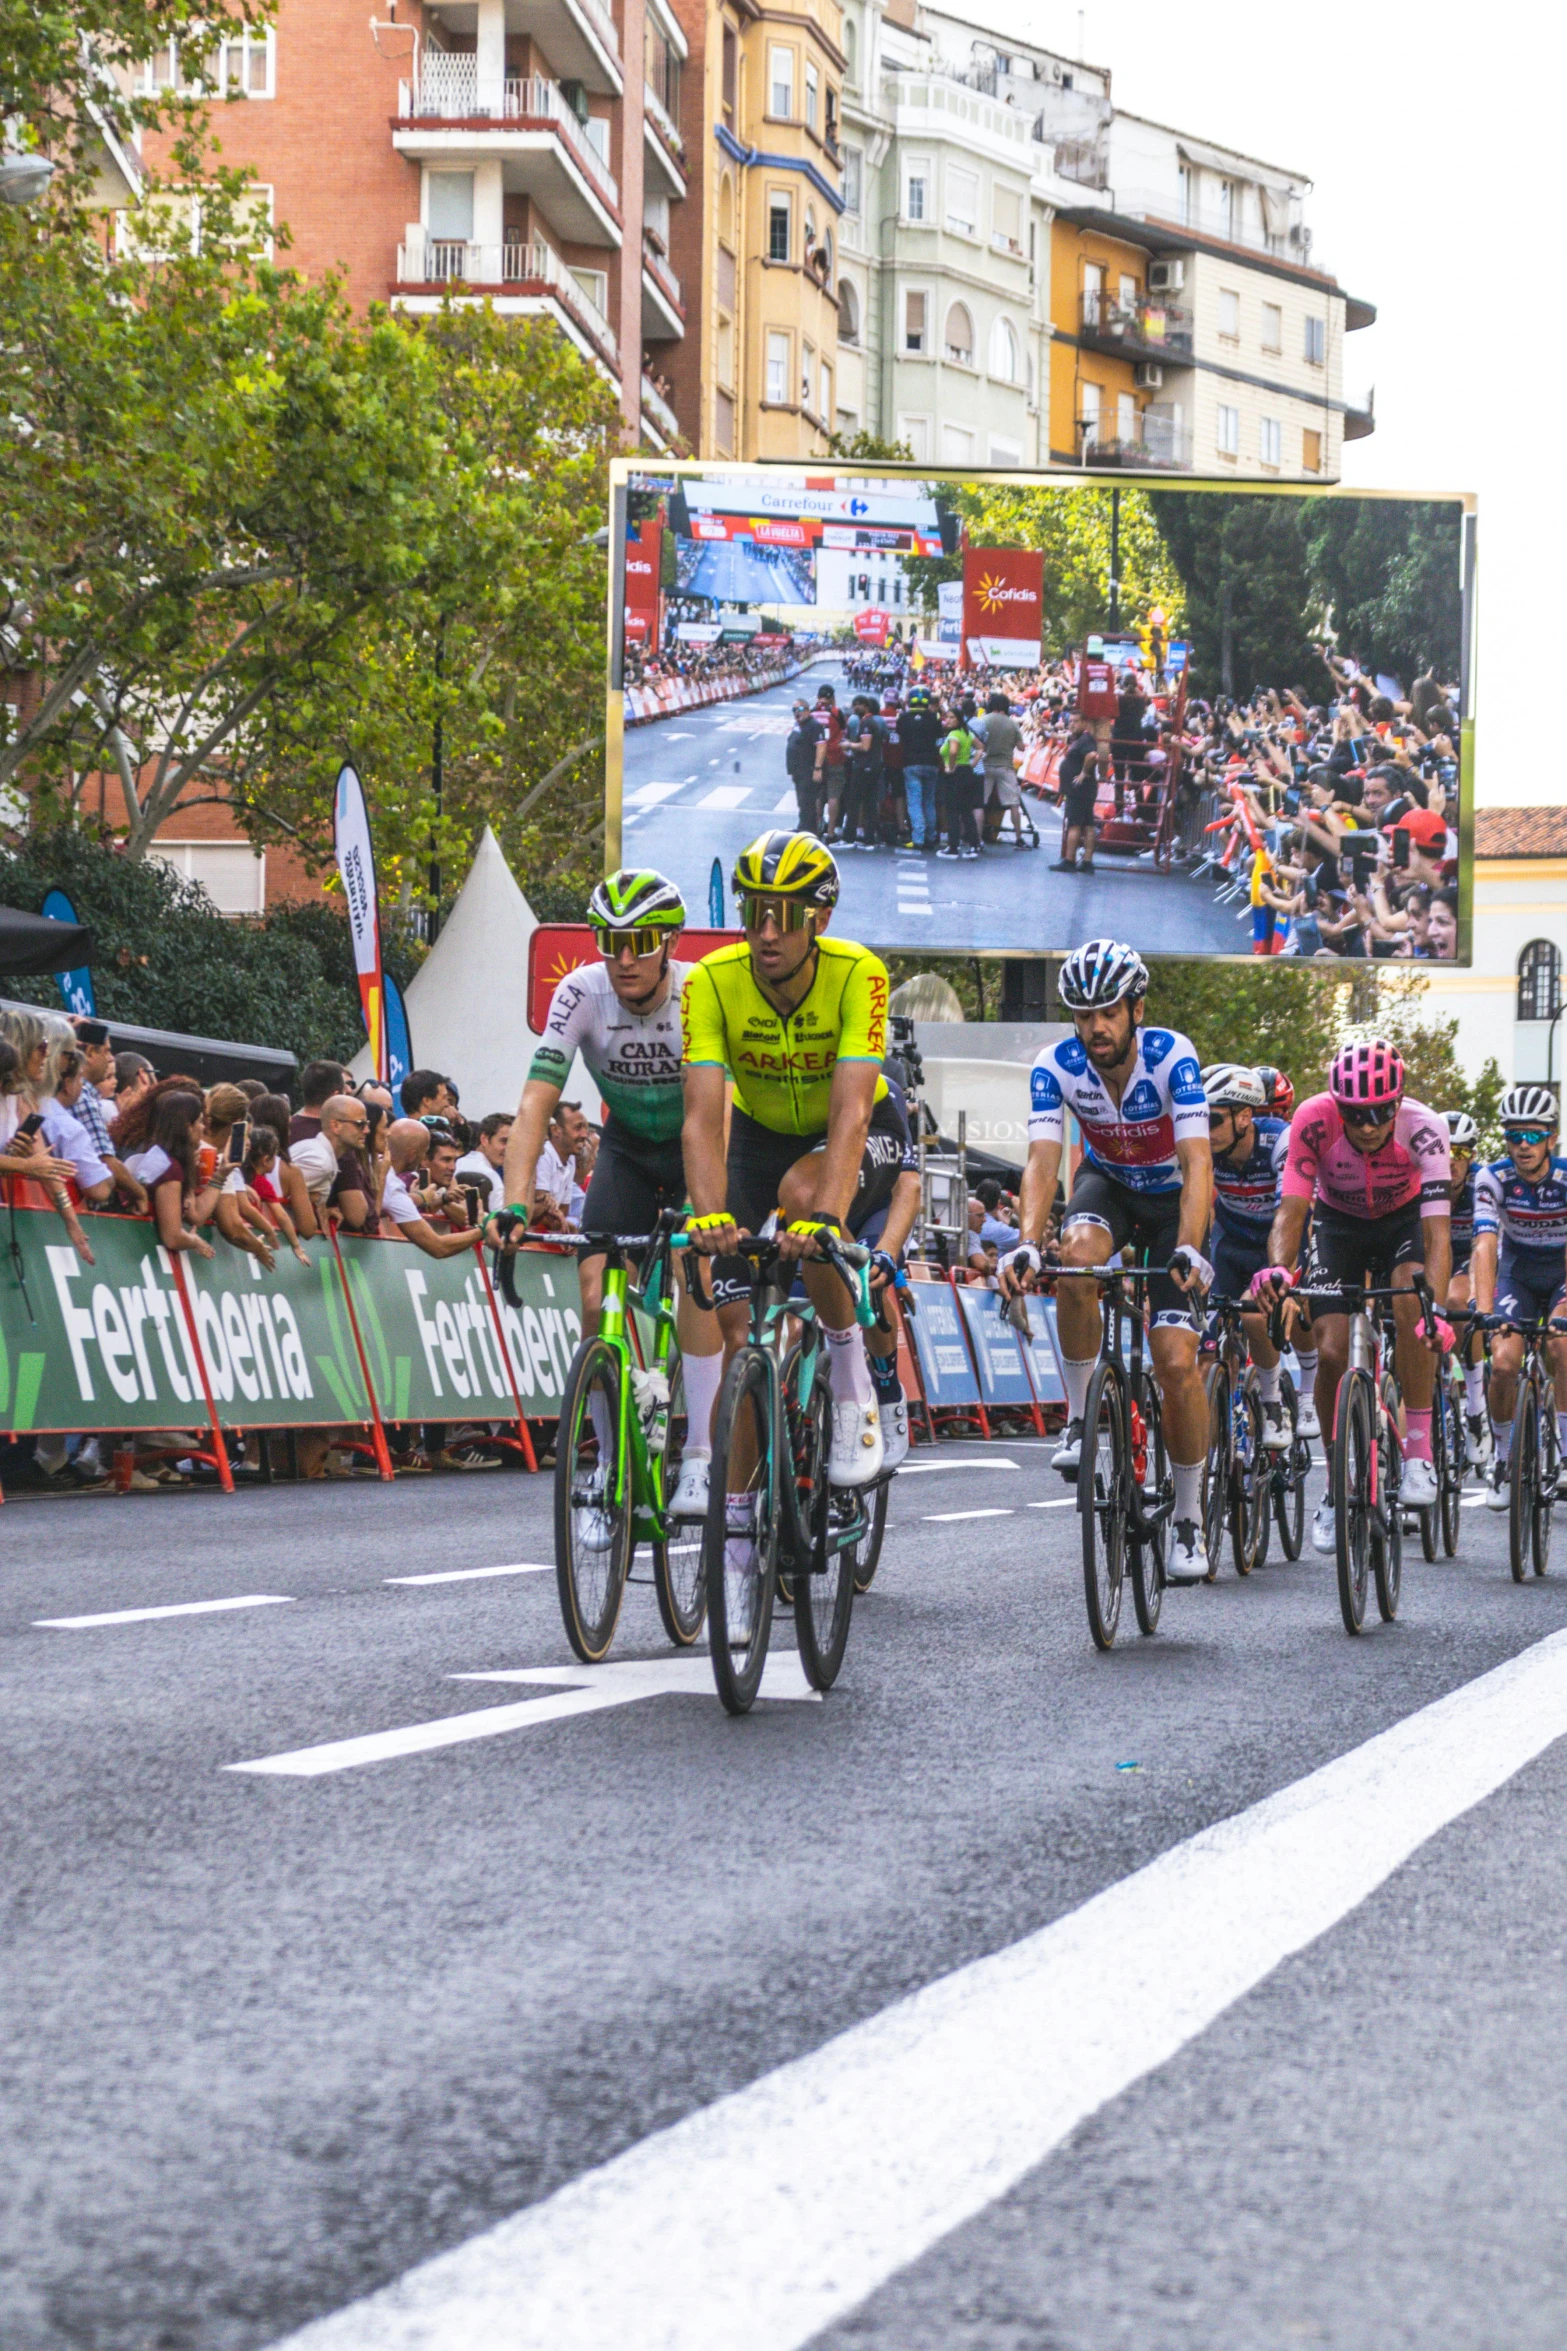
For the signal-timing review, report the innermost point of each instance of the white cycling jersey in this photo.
(634, 1057)
(1133, 1141)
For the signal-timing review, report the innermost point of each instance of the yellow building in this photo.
(1108, 345)
(771, 80)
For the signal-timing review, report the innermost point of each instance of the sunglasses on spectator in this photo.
(1367, 1114)
(790, 914)
(644, 939)
(1528, 1135)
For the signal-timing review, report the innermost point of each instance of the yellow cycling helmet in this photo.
(787, 865)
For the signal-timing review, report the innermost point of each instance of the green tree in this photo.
(1387, 569)
(69, 72)
(1246, 591)
(869, 449)
(1073, 528)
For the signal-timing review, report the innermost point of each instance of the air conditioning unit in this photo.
(1166, 277)
(1148, 376)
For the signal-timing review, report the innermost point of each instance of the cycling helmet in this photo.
(1276, 1086)
(1528, 1106)
(1370, 1074)
(789, 865)
(1102, 972)
(636, 896)
(1229, 1085)
(1462, 1133)
(919, 698)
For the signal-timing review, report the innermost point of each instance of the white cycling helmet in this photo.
(1462, 1133)
(1101, 972)
(1528, 1106)
(1230, 1085)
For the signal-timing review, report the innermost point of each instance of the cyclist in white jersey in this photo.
(1146, 1176)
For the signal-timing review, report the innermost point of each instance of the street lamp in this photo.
(23, 178)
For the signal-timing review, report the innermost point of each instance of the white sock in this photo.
(598, 1413)
(1188, 1489)
(702, 1377)
(1306, 1357)
(849, 1371)
(1504, 1439)
(1474, 1387)
(1268, 1383)
(1077, 1376)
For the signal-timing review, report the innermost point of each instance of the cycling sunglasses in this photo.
(1367, 1114)
(790, 914)
(1527, 1135)
(644, 939)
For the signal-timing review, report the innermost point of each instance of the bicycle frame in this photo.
(1117, 1310)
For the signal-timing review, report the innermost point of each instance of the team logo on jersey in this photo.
(1186, 1083)
(1072, 1057)
(1043, 1092)
(1156, 1044)
(1140, 1101)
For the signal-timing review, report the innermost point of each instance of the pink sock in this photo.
(1417, 1445)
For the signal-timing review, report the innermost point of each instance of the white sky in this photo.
(1437, 145)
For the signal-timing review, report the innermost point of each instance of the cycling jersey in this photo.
(634, 1057)
(782, 1063)
(1412, 1165)
(1462, 1218)
(1245, 1194)
(1528, 1216)
(1133, 1142)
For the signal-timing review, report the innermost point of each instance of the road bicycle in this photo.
(1125, 1486)
(771, 1508)
(1534, 1463)
(1438, 1523)
(1368, 1455)
(618, 1446)
(1237, 1475)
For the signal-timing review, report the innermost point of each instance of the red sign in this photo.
(643, 557)
(1097, 694)
(1004, 593)
(871, 626)
(559, 947)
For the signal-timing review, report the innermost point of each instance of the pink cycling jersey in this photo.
(1413, 1164)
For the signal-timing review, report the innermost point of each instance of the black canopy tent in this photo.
(31, 944)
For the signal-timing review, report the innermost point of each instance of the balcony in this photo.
(1153, 439)
(657, 415)
(543, 148)
(521, 279)
(663, 310)
(666, 150)
(1136, 330)
(1282, 236)
(1360, 415)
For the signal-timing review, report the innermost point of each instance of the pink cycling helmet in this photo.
(1371, 1075)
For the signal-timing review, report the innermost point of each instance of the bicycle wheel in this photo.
(1387, 1533)
(1525, 1473)
(740, 1538)
(593, 1502)
(867, 1557)
(677, 1559)
(1148, 1550)
(1217, 1467)
(1545, 1483)
(1431, 1520)
(1353, 1439)
(1289, 1476)
(1450, 1471)
(1104, 1500)
(830, 1518)
(1248, 1478)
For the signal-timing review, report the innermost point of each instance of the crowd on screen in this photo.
(718, 664)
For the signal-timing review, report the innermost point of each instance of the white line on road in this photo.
(71, 1624)
(941, 1518)
(930, 1469)
(649, 795)
(725, 796)
(1057, 1502)
(471, 1575)
(767, 2216)
(787, 806)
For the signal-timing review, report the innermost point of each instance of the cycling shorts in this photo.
(1234, 1263)
(633, 1180)
(759, 1160)
(1529, 1284)
(1345, 1249)
(1149, 1220)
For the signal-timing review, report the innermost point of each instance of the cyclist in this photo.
(1376, 1165)
(623, 1016)
(1248, 1162)
(1281, 1104)
(1146, 1176)
(798, 1021)
(1463, 1140)
(1520, 1258)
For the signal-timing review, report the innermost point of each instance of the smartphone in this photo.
(238, 1135)
(30, 1126)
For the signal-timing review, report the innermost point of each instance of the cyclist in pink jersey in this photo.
(1377, 1167)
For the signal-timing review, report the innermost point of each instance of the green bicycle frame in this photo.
(633, 1462)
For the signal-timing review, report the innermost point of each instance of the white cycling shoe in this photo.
(1069, 1452)
(1186, 1561)
(858, 1449)
(1275, 1429)
(895, 1433)
(689, 1499)
(1306, 1422)
(1419, 1489)
(1324, 1528)
(1498, 1485)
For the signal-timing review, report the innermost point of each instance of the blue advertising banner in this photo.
(1003, 1378)
(1046, 1355)
(715, 895)
(399, 1044)
(75, 986)
(945, 1365)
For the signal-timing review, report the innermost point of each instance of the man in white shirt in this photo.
(344, 1126)
(482, 1166)
(409, 1141)
(556, 1172)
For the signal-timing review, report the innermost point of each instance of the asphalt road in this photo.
(703, 783)
(268, 2042)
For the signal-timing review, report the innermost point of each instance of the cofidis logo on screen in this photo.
(1003, 592)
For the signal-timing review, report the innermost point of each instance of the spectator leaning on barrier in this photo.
(271, 1110)
(557, 1176)
(97, 1051)
(166, 1167)
(65, 1134)
(24, 1154)
(134, 1079)
(344, 1126)
(258, 1172)
(483, 1164)
(409, 1142)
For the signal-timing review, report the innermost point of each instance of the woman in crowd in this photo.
(166, 1165)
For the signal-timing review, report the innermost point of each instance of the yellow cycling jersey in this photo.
(781, 1064)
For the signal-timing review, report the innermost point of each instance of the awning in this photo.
(34, 943)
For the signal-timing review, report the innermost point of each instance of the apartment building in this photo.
(761, 235)
(527, 152)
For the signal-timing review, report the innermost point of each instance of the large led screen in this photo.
(1029, 711)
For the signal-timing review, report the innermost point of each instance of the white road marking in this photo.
(941, 1518)
(471, 1575)
(787, 806)
(725, 796)
(1057, 1502)
(71, 1624)
(582, 1689)
(926, 1469)
(767, 2216)
(649, 795)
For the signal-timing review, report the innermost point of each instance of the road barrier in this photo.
(665, 697)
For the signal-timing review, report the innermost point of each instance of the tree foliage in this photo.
(1073, 527)
(69, 70)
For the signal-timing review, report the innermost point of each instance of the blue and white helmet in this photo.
(1104, 971)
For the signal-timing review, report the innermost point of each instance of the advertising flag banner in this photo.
(643, 556)
(399, 1044)
(715, 895)
(949, 605)
(356, 865)
(75, 986)
(871, 626)
(1003, 602)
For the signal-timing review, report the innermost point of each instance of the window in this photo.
(1003, 352)
(1125, 417)
(848, 312)
(813, 95)
(1316, 342)
(1088, 410)
(960, 336)
(1272, 326)
(1127, 291)
(916, 189)
(780, 82)
(1093, 293)
(595, 130)
(1310, 450)
(724, 351)
(1188, 194)
(807, 377)
(449, 205)
(1006, 211)
(724, 278)
(777, 370)
(1539, 981)
(1229, 207)
(1229, 434)
(1272, 443)
(724, 423)
(962, 201)
(914, 327)
(915, 430)
(851, 179)
(1003, 452)
(731, 76)
(851, 51)
(824, 411)
(241, 66)
(595, 284)
(1229, 316)
(246, 66)
(780, 224)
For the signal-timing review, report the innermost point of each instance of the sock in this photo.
(849, 1371)
(1188, 1489)
(1504, 1439)
(1417, 1445)
(1268, 1383)
(1474, 1387)
(1077, 1376)
(598, 1413)
(702, 1376)
(884, 1377)
(1306, 1357)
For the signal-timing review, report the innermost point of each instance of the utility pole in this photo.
(1115, 557)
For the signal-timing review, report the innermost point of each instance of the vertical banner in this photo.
(1003, 605)
(644, 554)
(399, 1041)
(715, 895)
(74, 986)
(356, 865)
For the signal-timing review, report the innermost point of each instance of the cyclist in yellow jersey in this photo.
(798, 1021)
